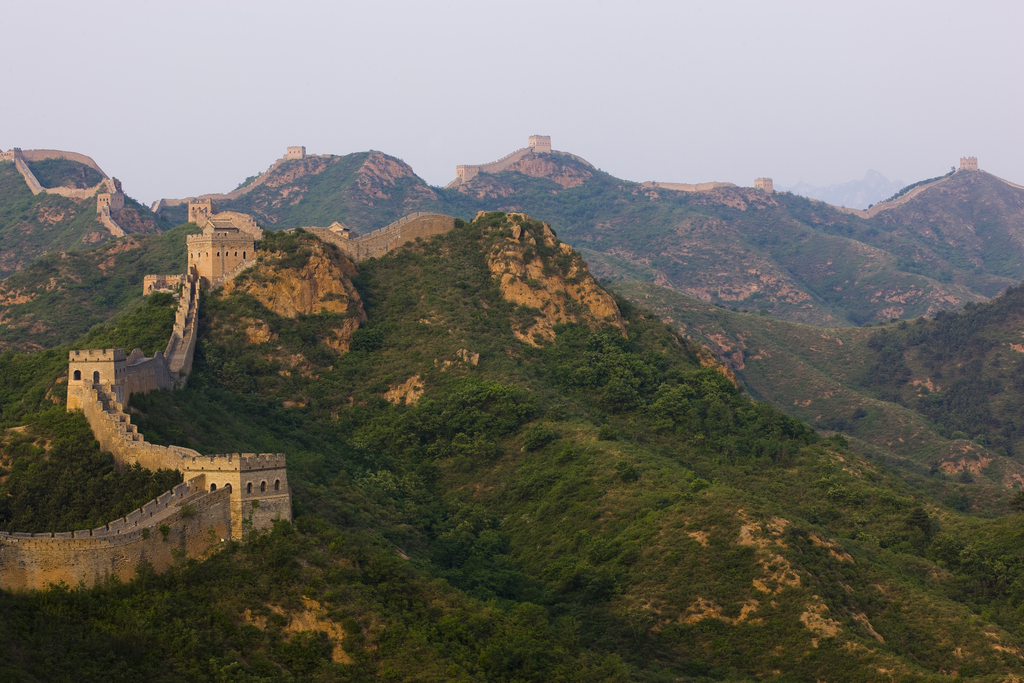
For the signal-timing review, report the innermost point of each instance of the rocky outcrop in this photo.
(321, 284)
(548, 279)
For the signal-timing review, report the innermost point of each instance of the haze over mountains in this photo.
(504, 472)
(857, 194)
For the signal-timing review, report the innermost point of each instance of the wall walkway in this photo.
(379, 242)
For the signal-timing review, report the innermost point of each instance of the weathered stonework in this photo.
(379, 242)
(224, 497)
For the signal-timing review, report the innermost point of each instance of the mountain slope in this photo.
(33, 225)
(959, 240)
(473, 505)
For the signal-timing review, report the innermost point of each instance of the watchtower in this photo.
(968, 163)
(764, 184)
(199, 210)
(541, 144)
(218, 251)
(295, 153)
(90, 367)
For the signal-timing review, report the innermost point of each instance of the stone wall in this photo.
(161, 283)
(30, 561)
(234, 194)
(688, 187)
(380, 242)
(41, 154)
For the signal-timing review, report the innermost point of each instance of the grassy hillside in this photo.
(32, 226)
(365, 191)
(943, 395)
(603, 506)
(60, 297)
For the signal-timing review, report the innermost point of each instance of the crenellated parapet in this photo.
(189, 519)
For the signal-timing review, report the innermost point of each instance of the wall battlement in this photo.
(379, 242)
(229, 493)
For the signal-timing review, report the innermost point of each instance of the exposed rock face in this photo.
(539, 272)
(321, 285)
(379, 173)
(544, 166)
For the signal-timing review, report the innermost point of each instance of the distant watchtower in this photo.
(541, 144)
(103, 367)
(968, 163)
(295, 153)
(764, 184)
(200, 210)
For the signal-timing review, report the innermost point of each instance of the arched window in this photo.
(248, 488)
(263, 486)
(236, 253)
(96, 377)
(218, 253)
(243, 254)
(277, 485)
(213, 487)
(228, 487)
(78, 375)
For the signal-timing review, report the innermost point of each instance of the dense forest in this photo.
(608, 505)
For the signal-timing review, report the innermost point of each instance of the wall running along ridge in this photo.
(225, 496)
(109, 198)
(196, 519)
(290, 154)
(388, 238)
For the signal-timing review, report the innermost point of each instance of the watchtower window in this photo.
(277, 485)
(228, 487)
(248, 488)
(78, 375)
(96, 377)
(263, 486)
(243, 254)
(213, 487)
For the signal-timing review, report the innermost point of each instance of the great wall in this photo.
(224, 495)
(108, 193)
(290, 154)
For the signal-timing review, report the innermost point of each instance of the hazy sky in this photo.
(177, 99)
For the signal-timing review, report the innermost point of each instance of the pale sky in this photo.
(178, 99)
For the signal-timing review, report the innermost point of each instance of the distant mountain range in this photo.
(856, 194)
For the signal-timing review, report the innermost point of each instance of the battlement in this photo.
(96, 355)
(541, 144)
(968, 163)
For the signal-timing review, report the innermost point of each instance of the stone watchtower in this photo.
(88, 368)
(541, 144)
(200, 210)
(295, 153)
(764, 184)
(218, 252)
(968, 163)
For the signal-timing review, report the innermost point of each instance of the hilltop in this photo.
(503, 472)
(939, 246)
(53, 201)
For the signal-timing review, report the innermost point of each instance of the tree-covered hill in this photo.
(32, 226)
(600, 504)
(59, 297)
(941, 393)
(958, 241)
